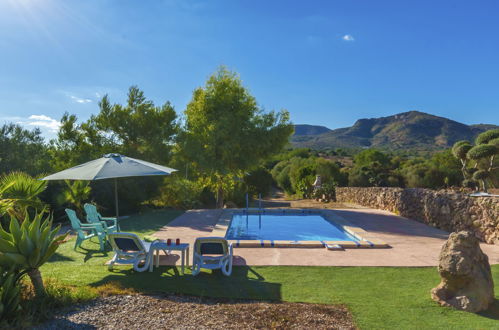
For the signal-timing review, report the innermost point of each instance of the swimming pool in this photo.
(288, 227)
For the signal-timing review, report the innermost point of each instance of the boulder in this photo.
(466, 279)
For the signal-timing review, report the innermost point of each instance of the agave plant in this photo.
(9, 295)
(19, 192)
(29, 245)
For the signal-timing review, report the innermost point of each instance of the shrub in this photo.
(179, 193)
(259, 181)
(9, 298)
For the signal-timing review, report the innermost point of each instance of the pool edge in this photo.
(365, 239)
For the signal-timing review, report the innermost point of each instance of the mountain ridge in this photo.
(406, 130)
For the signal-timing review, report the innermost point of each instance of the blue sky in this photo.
(327, 62)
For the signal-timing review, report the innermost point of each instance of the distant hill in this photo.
(407, 130)
(310, 130)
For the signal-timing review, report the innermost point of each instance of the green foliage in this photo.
(296, 175)
(138, 129)
(19, 192)
(494, 142)
(326, 191)
(482, 155)
(226, 133)
(280, 173)
(28, 246)
(9, 297)
(460, 149)
(76, 193)
(485, 137)
(369, 157)
(259, 181)
(22, 150)
(439, 171)
(482, 151)
(372, 168)
(179, 193)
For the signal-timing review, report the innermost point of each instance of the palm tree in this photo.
(75, 193)
(19, 192)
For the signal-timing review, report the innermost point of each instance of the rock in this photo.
(466, 282)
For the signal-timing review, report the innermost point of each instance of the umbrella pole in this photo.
(116, 197)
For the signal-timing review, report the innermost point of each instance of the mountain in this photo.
(408, 130)
(310, 130)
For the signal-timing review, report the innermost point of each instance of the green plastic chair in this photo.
(86, 231)
(110, 224)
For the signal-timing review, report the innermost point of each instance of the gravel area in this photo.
(182, 312)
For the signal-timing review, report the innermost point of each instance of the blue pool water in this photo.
(289, 227)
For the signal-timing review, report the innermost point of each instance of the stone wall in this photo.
(447, 210)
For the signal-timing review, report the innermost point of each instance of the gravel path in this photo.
(180, 312)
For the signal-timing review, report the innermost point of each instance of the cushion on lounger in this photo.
(212, 248)
(126, 244)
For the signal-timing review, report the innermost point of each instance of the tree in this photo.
(460, 150)
(226, 133)
(481, 153)
(372, 168)
(138, 129)
(22, 150)
(482, 156)
(370, 156)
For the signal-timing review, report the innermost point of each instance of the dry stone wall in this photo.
(447, 210)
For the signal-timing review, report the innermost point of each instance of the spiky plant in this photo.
(29, 245)
(19, 192)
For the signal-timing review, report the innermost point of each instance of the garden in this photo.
(218, 164)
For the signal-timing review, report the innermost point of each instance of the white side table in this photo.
(161, 245)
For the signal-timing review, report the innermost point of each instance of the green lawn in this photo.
(379, 297)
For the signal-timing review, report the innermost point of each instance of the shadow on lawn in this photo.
(492, 312)
(56, 257)
(244, 283)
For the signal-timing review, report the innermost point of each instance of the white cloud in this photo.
(348, 37)
(43, 121)
(79, 100)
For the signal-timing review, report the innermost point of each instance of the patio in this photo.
(413, 244)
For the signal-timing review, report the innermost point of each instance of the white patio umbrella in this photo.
(111, 166)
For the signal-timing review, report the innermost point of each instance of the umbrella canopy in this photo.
(111, 166)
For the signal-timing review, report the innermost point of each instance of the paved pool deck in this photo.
(413, 244)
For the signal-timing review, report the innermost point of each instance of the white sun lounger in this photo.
(129, 249)
(212, 253)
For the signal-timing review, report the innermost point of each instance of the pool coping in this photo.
(365, 239)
